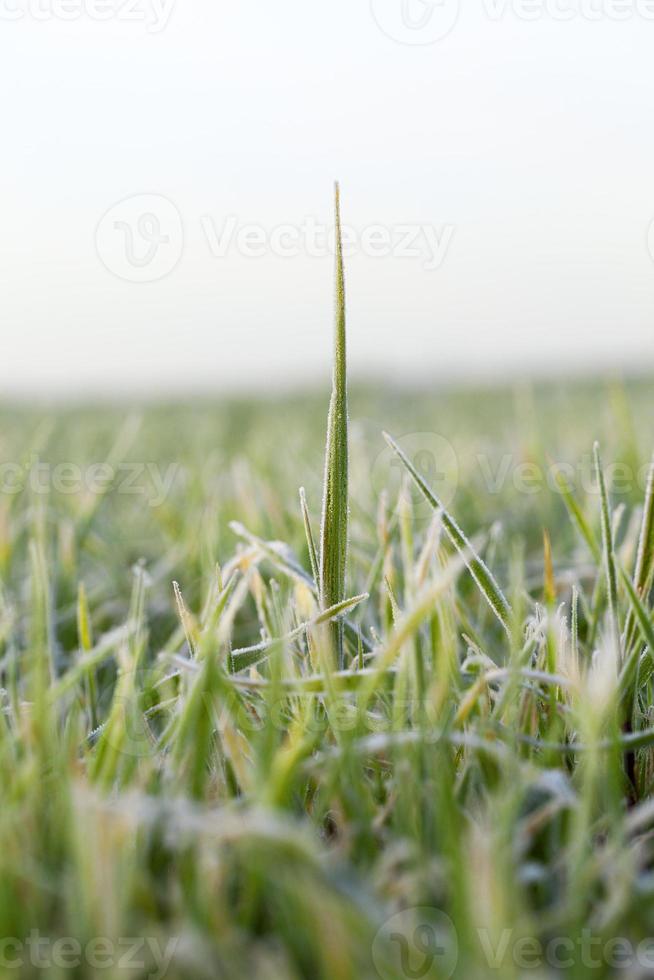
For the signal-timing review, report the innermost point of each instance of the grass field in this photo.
(387, 717)
(261, 814)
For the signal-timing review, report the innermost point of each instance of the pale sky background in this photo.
(529, 145)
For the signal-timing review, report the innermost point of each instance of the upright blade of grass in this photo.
(577, 516)
(477, 568)
(185, 619)
(41, 639)
(629, 672)
(313, 556)
(85, 637)
(191, 733)
(123, 736)
(84, 628)
(40, 651)
(644, 570)
(574, 625)
(608, 550)
(645, 555)
(333, 533)
(549, 585)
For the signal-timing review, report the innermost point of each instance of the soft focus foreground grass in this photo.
(268, 814)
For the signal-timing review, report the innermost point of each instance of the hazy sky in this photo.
(497, 169)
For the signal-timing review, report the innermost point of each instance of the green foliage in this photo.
(189, 763)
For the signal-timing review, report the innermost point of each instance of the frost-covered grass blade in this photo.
(334, 527)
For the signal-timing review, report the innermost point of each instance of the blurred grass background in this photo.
(299, 891)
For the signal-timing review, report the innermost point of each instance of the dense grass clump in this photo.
(190, 764)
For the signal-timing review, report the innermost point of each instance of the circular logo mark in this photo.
(433, 457)
(141, 238)
(417, 944)
(416, 21)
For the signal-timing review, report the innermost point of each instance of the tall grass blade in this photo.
(549, 584)
(477, 568)
(608, 549)
(313, 555)
(333, 533)
(629, 673)
(85, 637)
(644, 570)
(577, 515)
(185, 619)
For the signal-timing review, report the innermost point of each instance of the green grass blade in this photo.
(185, 619)
(475, 565)
(574, 624)
(85, 637)
(334, 525)
(577, 516)
(645, 554)
(313, 555)
(629, 672)
(608, 549)
(644, 570)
